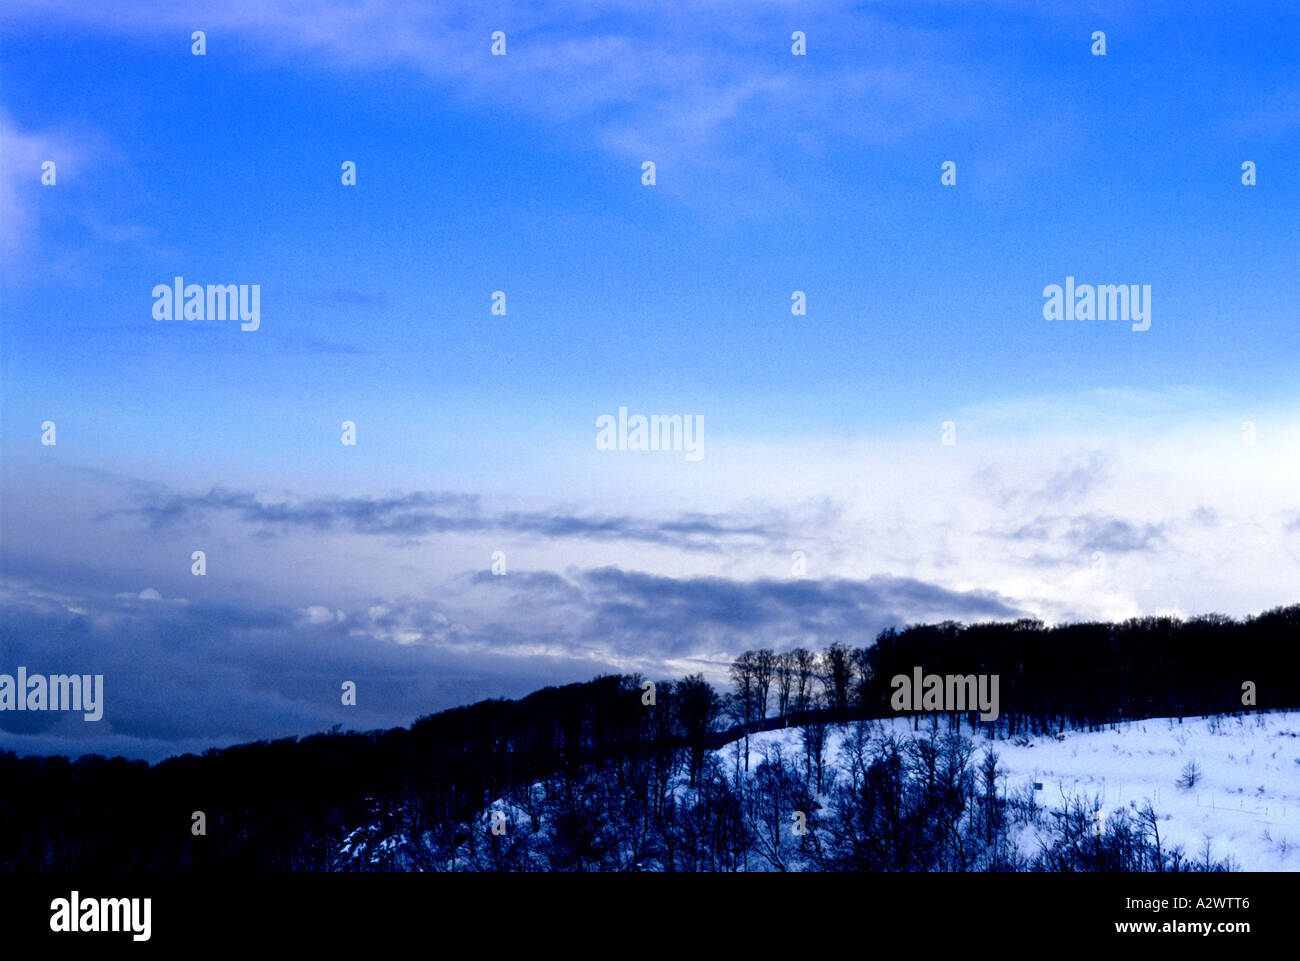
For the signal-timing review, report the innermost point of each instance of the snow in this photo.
(1247, 802)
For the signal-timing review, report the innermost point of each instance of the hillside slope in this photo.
(1245, 803)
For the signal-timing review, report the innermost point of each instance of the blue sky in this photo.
(522, 173)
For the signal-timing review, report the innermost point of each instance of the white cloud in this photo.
(21, 155)
(318, 614)
(688, 85)
(1186, 517)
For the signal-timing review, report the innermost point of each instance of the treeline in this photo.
(285, 805)
(289, 804)
(1073, 675)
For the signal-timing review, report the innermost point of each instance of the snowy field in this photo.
(1247, 801)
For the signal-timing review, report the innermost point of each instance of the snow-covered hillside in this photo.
(1247, 801)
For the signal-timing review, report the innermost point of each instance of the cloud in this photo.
(42, 235)
(422, 513)
(683, 613)
(180, 674)
(1071, 480)
(181, 677)
(694, 85)
(643, 617)
(21, 155)
(1090, 532)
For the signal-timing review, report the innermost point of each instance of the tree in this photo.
(814, 752)
(989, 799)
(764, 668)
(785, 669)
(838, 667)
(697, 709)
(743, 671)
(1150, 826)
(805, 669)
(864, 671)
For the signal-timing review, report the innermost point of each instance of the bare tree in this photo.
(743, 677)
(992, 807)
(697, 708)
(805, 669)
(764, 668)
(864, 673)
(1150, 825)
(814, 751)
(785, 668)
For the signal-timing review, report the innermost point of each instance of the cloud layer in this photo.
(181, 675)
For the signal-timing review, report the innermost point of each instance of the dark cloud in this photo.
(1087, 533)
(184, 676)
(636, 615)
(423, 513)
(179, 674)
(635, 611)
(1115, 535)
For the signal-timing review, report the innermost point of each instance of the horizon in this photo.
(717, 681)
